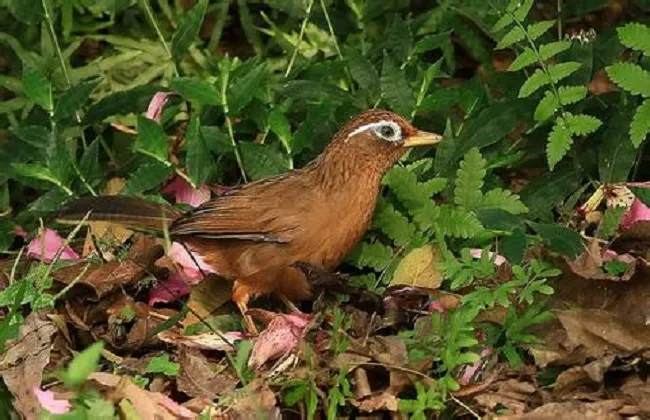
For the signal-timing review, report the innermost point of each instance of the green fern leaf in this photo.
(522, 9)
(504, 200)
(525, 59)
(374, 255)
(562, 70)
(630, 77)
(457, 222)
(559, 142)
(640, 125)
(549, 104)
(551, 49)
(537, 29)
(404, 184)
(582, 124)
(533, 83)
(515, 34)
(469, 179)
(503, 22)
(426, 216)
(393, 223)
(635, 36)
(395, 88)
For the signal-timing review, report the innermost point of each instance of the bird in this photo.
(256, 233)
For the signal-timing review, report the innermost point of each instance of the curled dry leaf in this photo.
(257, 402)
(23, 363)
(102, 279)
(279, 338)
(203, 341)
(198, 377)
(600, 410)
(382, 401)
(591, 264)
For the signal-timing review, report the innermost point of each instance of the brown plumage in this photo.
(255, 233)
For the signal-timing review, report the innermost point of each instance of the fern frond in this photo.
(520, 9)
(640, 125)
(457, 222)
(551, 49)
(525, 59)
(537, 29)
(562, 70)
(515, 35)
(504, 200)
(503, 22)
(413, 194)
(559, 142)
(582, 124)
(549, 104)
(393, 223)
(635, 36)
(533, 83)
(469, 179)
(374, 255)
(630, 77)
(426, 216)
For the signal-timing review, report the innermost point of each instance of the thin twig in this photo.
(300, 36)
(465, 406)
(152, 20)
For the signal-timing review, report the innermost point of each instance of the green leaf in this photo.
(241, 90)
(457, 222)
(373, 255)
(538, 79)
(430, 42)
(27, 11)
(549, 105)
(630, 77)
(146, 177)
(515, 35)
(610, 222)
(525, 59)
(513, 246)
(559, 142)
(504, 200)
(640, 125)
(89, 163)
(121, 103)
(522, 10)
(503, 22)
(262, 160)
(616, 154)
(195, 89)
(152, 140)
(398, 38)
(469, 180)
(365, 74)
(581, 124)
(162, 364)
(551, 49)
(37, 87)
(642, 194)
(188, 30)
(73, 99)
(413, 194)
(280, 125)
(537, 29)
(199, 159)
(39, 172)
(395, 88)
(562, 70)
(393, 223)
(83, 365)
(636, 36)
(560, 239)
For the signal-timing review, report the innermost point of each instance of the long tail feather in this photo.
(132, 212)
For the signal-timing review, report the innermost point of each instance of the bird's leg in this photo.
(289, 304)
(241, 296)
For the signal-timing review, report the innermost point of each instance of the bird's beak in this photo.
(422, 138)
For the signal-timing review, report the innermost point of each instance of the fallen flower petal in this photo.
(48, 401)
(470, 371)
(477, 253)
(638, 212)
(184, 193)
(174, 288)
(19, 231)
(158, 102)
(45, 246)
(192, 264)
(279, 338)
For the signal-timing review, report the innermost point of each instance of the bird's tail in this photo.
(132, 212)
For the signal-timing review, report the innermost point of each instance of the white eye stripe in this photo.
(376, 126)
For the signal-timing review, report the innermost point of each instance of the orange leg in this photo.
(241, 295)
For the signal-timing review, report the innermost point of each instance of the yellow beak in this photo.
(422, 138)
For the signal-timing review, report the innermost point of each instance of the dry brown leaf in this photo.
(601, 410)
(376, 402)
(101, 279)
(418, 269)
(22, 364)
(258, 402)
(206, 298)
(204, 341)
(639, 391)
(198, 377)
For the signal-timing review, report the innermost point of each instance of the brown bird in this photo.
(257, 232)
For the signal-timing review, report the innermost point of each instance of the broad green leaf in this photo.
(642, 194)
(515, 35)
(188, 30)
(395, 88)
(398, 38)
(560, 239)
(562, 70)
(582, 124)
(543, 194)
(73, 99)
(152, 140)
(280, 125)
(430, 42)
(537, 29)
(195, 89)
(89, 163)
(549, 105)
(469, 180)
(199, 159)
(640, 125)
(40, 172)
(121, 103)
(513, 246)
(242, 90)
(162, 364)
(148, 176)
(365, 74)
(559, 142)
(251, 32)
(522, 10)
(630, 77)
(524, 59)
(216, 140)
(27, 11)
(572, 94)
(83, 365)
(533, 83)
(610, 222)
(34, 135)
(37, 87)
(636, 36)
(262, 160)
(616, 153)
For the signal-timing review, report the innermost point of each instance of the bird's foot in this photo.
(249, 324)
(289, 304)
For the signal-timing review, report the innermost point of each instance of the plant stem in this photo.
(224, 87)
(559, 20)
(336, 41)
(310, 6)
(152, 20)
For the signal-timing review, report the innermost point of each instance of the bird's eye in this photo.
(387, 131)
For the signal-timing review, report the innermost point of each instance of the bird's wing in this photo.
(262, 212)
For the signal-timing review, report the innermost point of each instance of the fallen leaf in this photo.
(192, 264)
(639, 391)
(199, 378)
(48, 401)
(203, 341)
(376, 402)
(600, 410)
(279, 338)
(23, 363)
(258, 401)
(477, 253)
(46, 245)
(184, 193)
(102, 279)
(418, 269)
(170, 290)
(157, 104)
(206, 298)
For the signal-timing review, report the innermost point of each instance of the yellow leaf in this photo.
(418, 268)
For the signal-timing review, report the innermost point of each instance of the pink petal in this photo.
(221, 189)
(18, 231)
(470, 371)
(176, 408)
(47, 401)
(477, 253)
(279, 338)
(45, 246)
(610, 255)
(186, 194)
(437, 306)
(192, 265)
(157, 104)
(637, 212)
(169, 291)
